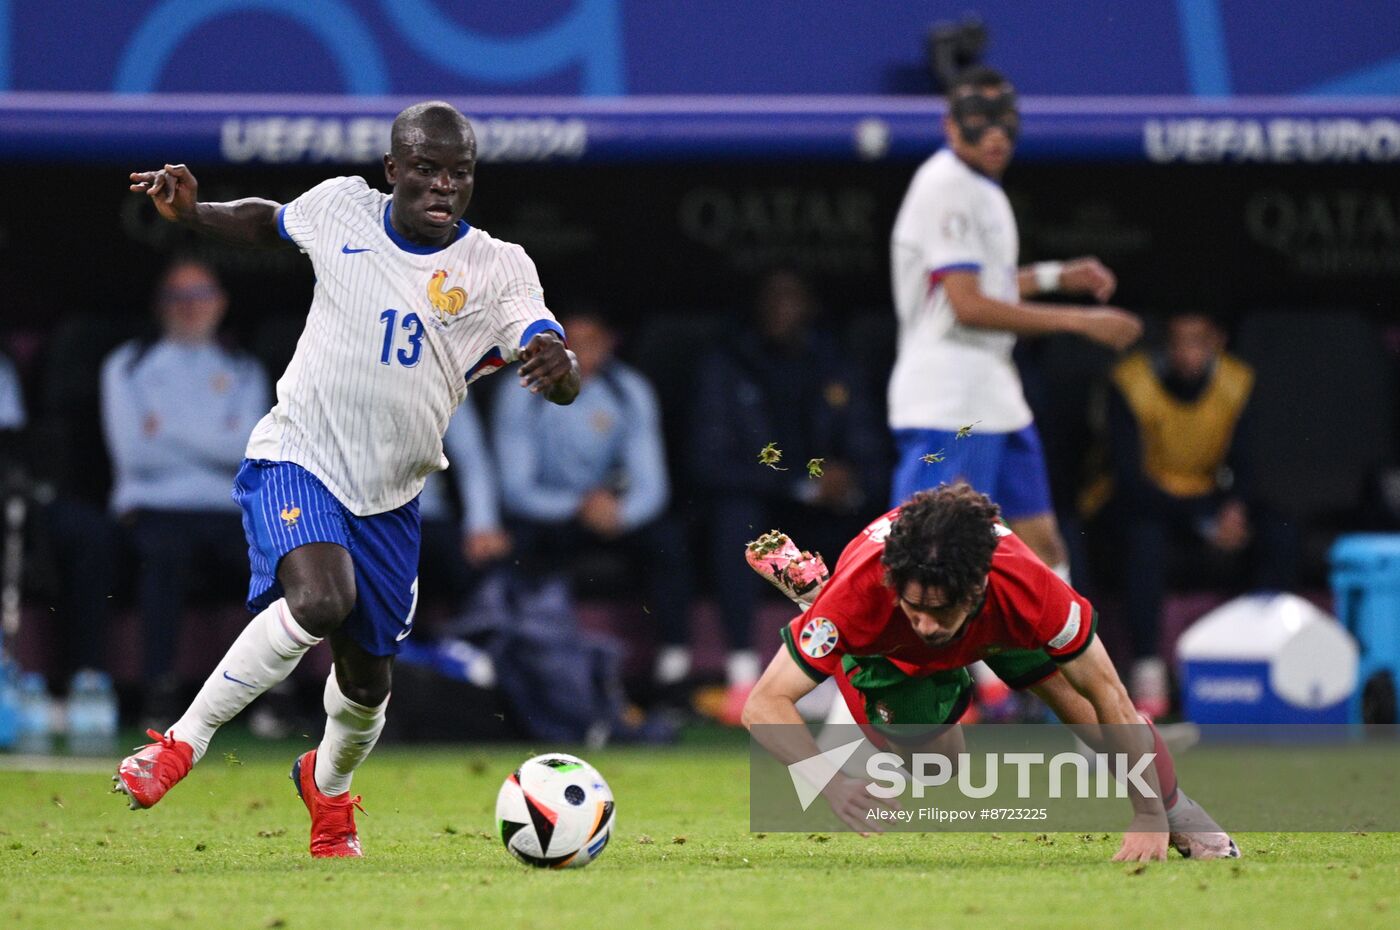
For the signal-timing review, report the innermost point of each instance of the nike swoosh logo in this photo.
(239, 681)
(349, 251)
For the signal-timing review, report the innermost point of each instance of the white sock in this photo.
(351, 732)
(265, 653)
(742, 668)
(1186, 816)
(672, 664)
(1062, 569)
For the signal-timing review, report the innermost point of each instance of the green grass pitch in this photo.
(228, 849)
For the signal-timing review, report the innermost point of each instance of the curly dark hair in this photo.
(943, 538)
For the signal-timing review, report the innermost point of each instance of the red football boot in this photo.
(146, 775)
(332, 818)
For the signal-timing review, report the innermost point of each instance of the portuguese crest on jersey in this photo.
(818, 637)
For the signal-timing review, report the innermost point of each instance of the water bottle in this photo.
(35, 713)
(9, 704)
(92, 714)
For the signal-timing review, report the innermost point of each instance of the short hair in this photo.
(943, 538)
(430, 117)
(978, 76)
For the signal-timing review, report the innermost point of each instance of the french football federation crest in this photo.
(290, 516)
(447, 303)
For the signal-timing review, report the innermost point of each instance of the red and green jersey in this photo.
(1027, 607)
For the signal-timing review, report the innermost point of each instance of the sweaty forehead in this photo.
(444, 146)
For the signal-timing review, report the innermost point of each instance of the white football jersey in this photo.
(395, 334)
(947, 375)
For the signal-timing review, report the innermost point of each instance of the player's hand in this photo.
(1111, 327)
(1088, 276)
(485, 546)
(1231, 527)
(172, 189)
(601, 512)
(1143, 847)
(549, 368)
(852, 802)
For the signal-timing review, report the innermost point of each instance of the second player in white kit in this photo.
(959, 298)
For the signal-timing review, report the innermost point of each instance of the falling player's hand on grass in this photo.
(1088, 276)
(172, 189)
(1143, 847)
(549, 368)
(1111, 327)
(851, 801)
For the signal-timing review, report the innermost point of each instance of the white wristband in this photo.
(1047, 276)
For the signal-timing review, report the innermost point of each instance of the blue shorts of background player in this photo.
(285, 506)
(1007, 467)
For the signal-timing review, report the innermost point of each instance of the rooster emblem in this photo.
(446, 303)
(290, 516)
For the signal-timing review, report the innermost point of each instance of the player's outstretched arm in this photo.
(1092, 674)
(1108, 326)
(548, 368)
(175, 193)
(1085, 275)
(774, 701)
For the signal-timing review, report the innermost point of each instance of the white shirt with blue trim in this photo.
(947, 375)
(395, 333)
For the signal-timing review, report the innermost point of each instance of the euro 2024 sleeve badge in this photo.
(818, 637)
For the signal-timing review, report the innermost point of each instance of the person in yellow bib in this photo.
(1176, 417)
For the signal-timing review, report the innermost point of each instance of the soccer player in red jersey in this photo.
(921, 594)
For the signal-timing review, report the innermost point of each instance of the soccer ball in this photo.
(555, 812)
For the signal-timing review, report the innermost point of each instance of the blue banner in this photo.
(613, 47)
(274, 130)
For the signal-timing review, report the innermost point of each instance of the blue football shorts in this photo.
(1007, 467)
(285, 506)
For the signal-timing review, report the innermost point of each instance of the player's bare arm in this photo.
(1092, 674)
(774, 701)
(1087, 276)
(175, 193)
(550, 369)
(1109, 326)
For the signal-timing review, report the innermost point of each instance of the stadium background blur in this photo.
(1216, 158)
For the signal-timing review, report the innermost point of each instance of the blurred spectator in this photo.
(72, 546)
(593, 475)
(1176, 418)
(461, 538)
(780, 381)
(176, 412)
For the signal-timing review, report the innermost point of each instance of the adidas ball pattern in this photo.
(555, 811)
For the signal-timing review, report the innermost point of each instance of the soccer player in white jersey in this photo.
(411, 305)
(960, 299)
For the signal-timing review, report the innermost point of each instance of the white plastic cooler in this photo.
(1267, 658)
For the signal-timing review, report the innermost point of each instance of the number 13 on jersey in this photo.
(412, 325)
